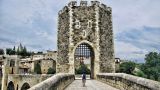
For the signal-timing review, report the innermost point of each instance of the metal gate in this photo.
(84, 57)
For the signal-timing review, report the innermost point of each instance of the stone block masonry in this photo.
(128, 82)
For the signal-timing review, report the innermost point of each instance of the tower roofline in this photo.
(85, 4)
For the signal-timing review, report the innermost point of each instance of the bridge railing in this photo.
(56, 82)
(128, 82)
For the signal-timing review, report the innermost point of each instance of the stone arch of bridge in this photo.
(25, 86)
(10, 86)
(84, 51)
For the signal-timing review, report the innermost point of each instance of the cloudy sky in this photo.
(136, 25)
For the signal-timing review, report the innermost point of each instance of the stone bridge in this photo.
(104, 81)
(21, 82)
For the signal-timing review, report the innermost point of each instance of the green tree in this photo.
(20, 47)
(37, 68)
(14, 48)
(1, 51)
(51, 71)
(151, 67)
(18, 51)
(8, 50)
(83, 69)
(139, 73)
(25, 49)
(127, 67)
(12, 52)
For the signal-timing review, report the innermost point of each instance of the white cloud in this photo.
(129, 14)
(34, 23)
(127, 51)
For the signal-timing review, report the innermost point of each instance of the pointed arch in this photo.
(84, 55)
(10, 86)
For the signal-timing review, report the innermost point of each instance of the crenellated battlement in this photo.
(96, 3)
(63, 10)
(72, 3)
(85, 4)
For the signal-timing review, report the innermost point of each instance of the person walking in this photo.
(83, 79)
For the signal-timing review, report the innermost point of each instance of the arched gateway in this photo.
(84, 59)
(85, 27)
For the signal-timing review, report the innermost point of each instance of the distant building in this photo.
(51, 55)
(26, 66)
(38, 56)
(117, 60)
(117, 63)
(46, 60)
(46, 64)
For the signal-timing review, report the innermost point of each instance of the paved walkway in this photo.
(90, 85)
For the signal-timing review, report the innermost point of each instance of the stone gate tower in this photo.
(84, 23)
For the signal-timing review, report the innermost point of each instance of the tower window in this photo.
(89, 24)
(77, 24)
(84, 34)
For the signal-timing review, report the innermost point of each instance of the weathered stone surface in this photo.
(32, 80)
(128, 82)
(106, 41)
(56, 82)
(63, 38)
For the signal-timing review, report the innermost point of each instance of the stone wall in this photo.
(128, 82)
(63, 40)
(46, 64)
(106, 40)
(19, 80)
(83, 15)
(56, 82)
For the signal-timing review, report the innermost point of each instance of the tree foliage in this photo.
(1, 51)
(127, 67)
(139, 73)
(21, 50)
(37, 68)
(151, 67)
(83, 69)
(51, 71)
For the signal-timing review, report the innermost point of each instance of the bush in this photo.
(127, 67)
(139, 73)
(37, 69)
(51, 71)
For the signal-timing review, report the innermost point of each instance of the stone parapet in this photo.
(56, 82)
(31, 79)
(128, 82)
